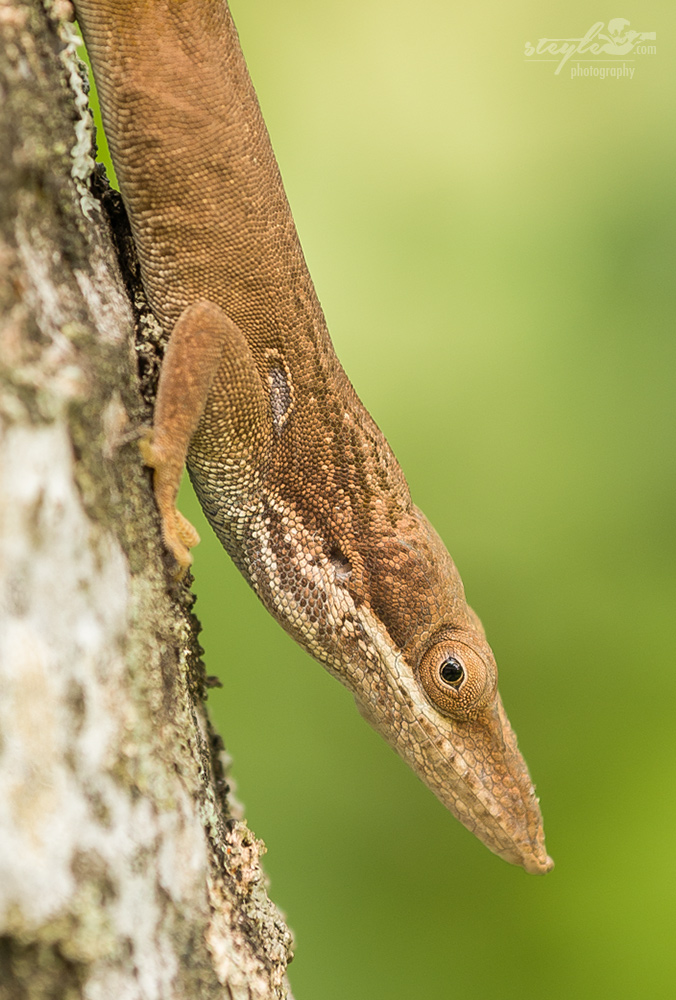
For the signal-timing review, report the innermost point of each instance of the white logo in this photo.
(597, 46)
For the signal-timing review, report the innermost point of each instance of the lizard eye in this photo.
(452, 672)
(457, 678)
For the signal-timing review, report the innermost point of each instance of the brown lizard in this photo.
(293, 474)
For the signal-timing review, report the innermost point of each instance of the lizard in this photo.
(293, 474)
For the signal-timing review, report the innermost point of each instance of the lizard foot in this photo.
(178, 534)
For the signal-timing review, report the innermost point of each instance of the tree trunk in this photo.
(123, 872)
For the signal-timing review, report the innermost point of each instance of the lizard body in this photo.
(295, 477)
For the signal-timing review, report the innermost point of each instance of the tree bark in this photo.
(123, 871)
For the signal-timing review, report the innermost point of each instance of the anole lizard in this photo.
(295, 477)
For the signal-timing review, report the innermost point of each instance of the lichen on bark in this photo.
(123, 872)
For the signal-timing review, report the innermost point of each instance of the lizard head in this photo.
(389, 619)
(435, 697)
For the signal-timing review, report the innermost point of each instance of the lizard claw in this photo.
(178, 534)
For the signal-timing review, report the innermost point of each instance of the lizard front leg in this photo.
(209, 393)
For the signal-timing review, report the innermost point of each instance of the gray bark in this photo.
(123, 872)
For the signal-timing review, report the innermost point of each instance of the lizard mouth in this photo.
(495, 797)
(536, 865)
(478, 773)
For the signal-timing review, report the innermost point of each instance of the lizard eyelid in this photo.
(456, 678)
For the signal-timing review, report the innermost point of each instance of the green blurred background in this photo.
(494, 249)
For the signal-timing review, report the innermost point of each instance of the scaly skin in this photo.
(295, 477)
